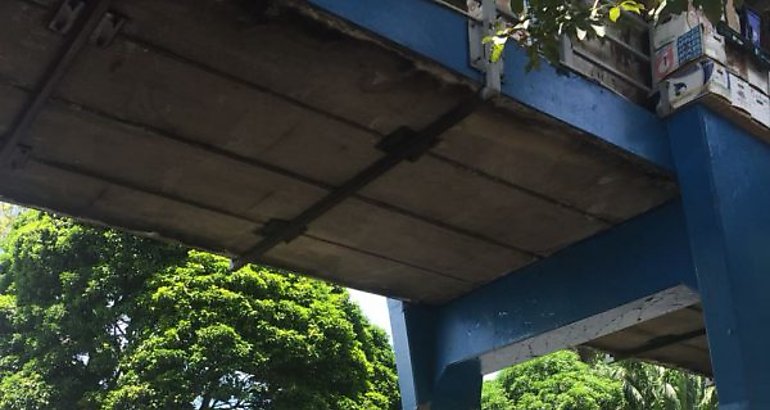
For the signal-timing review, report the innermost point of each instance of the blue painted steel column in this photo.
(724, 174)
(458, 387)
(413, 340)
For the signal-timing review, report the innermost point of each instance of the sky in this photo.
(375, 308)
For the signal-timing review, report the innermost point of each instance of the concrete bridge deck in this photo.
(204, 121)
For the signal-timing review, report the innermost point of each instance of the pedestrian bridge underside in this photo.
(282, 133)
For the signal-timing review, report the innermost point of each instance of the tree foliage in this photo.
(650, 387)
(559, 381)
(536, 25)
(565, 380)
(92, 318)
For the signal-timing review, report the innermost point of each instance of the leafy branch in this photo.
(537, 25)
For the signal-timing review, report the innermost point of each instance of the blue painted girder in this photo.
(724, 177)
(630, 262)
(440, 34)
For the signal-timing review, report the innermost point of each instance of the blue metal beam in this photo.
(413, 339)
(724, 175)
(631, 262)
(440, 34)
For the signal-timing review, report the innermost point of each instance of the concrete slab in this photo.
(75, 195)
(320, 259)
(28, 48)
(554, 162)
(12, 101)
(137, 157)
(133, 157)
(685, 357)
(691, 354)
(360, 226)
(347, 76)
(679, 322)
(460, 197)
(143, 86)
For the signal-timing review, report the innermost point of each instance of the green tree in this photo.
(494, 397)
(537, 25)
(568, 380)
(93, 318)
(556, 381)
(650, 387)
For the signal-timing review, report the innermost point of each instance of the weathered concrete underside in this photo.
(677, 338)
(204, 120)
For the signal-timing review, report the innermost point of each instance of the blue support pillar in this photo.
(724, 174)
(459, 387)
(413, 337)
(414, 332)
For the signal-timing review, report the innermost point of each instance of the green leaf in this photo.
(498, 46)
(632, 6)
(614, 14)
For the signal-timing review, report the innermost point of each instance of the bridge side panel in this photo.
(440, 34)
